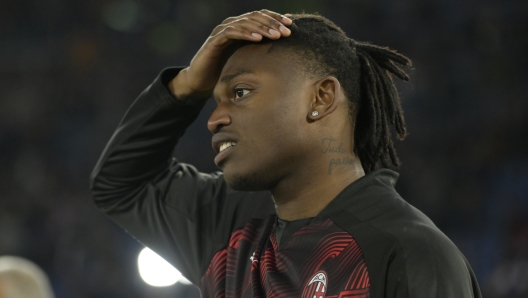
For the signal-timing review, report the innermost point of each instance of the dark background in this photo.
(69, 70)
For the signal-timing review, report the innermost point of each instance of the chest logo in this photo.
(316, 287)
(253, 258)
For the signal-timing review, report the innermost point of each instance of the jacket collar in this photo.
(362, 193)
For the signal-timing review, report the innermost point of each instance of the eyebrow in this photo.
(225, 79)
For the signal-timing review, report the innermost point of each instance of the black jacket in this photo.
(367, 242)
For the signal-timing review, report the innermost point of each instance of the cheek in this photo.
(273, 143)
(274, 123)
(279, 134)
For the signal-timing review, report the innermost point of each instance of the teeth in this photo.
(226, 145)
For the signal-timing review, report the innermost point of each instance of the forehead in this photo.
(258, 58)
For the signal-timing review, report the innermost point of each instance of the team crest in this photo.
(316, 287)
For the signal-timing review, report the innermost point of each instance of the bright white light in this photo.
(157, 272)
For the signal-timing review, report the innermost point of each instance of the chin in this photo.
(245, 182)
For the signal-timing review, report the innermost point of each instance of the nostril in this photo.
(219, 127)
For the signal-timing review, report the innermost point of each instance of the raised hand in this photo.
(197, 81)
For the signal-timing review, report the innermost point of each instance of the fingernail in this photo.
(286, 19)
(256, 35)
(272, 32)
(283, 29)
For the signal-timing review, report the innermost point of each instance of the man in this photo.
(305, 206)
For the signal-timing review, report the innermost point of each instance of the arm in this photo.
(184, 215)
(180, 213)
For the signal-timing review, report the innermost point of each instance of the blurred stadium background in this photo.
(69, 70)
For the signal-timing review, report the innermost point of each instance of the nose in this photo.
(219, 118)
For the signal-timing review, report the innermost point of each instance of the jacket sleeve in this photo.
(182, 214)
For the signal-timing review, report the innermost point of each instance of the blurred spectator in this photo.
(21, 278)
(510, 278)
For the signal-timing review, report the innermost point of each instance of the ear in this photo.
(327, 97)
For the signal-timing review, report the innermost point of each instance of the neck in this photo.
(307, 192)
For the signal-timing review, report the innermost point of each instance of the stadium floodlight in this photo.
(157, 272)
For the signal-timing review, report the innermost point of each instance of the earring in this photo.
(315, 113)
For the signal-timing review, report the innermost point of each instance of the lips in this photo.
(222, 145)
(224, 140)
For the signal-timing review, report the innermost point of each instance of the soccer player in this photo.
(305, 205)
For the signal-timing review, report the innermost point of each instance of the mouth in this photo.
(221, 145)
(224, 145)
(224, 148)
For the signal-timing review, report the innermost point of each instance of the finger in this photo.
(265, 23)
(237, 21)
(279, 17)
(251, 32)
(229, 20)
(230, 33)
(259, 28)
(270, 19)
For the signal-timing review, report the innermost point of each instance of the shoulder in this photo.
(432, 264)
(405, 252)
(426, 261)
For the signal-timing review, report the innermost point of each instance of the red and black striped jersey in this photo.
(368, 242)
(319, 260)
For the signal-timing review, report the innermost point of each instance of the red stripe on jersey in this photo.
(243, 270)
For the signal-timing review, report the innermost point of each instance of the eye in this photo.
(240, 92)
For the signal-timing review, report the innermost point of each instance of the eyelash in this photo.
(236, 90)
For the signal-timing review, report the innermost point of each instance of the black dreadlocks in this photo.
(364, 72)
